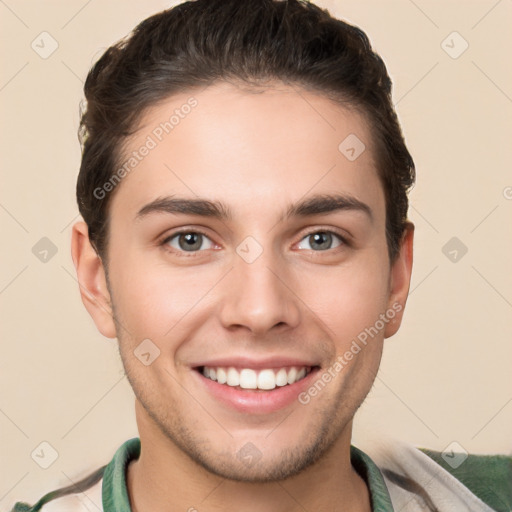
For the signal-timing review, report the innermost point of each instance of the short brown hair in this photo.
(201, 42)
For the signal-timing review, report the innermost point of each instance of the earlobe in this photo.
(92, 280)
(400, 280)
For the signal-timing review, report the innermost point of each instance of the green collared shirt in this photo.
(489, 477)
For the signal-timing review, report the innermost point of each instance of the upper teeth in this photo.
(251, 379)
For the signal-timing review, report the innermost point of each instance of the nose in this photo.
(260, 296)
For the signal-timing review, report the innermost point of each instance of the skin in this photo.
(257, 153)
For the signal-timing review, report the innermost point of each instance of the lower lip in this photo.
(256, 401)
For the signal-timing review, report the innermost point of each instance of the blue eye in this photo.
(322, 240)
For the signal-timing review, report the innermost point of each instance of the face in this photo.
(247, 260)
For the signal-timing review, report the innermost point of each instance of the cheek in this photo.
(151, 299)
(349, 299)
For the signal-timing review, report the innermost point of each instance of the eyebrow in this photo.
(313, 205)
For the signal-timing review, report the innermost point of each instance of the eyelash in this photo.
(192, 254)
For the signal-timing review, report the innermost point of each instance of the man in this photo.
(244, 193)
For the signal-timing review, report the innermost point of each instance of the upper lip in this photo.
(257, 364)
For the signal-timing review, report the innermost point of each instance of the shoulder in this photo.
(488, 476)
(446, 480)
(86, 501)
(86, 495)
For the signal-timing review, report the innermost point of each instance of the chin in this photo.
(262, 462)
(259, 470)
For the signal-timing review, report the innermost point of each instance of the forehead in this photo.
(249, 148)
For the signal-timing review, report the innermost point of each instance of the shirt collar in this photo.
(115, 492)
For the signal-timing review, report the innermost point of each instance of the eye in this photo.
(188, 241)
(322, 240)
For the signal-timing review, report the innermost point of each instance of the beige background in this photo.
(445, 376)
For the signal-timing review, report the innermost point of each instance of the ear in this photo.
(92, 280)
(400, 280)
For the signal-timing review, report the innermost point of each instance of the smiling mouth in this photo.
(265, 379)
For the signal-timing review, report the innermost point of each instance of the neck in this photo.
(165, 478)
